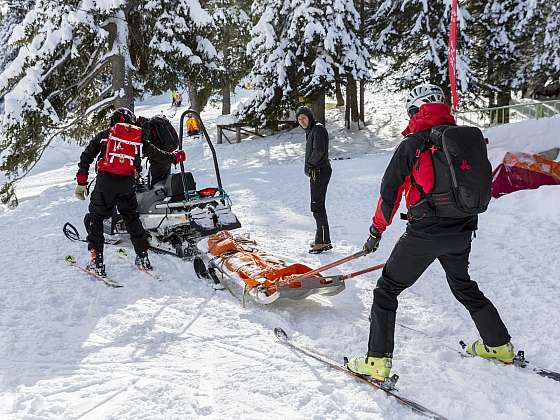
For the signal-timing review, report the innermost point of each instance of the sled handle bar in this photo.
(346, 276)
(332, 265)
(181, 129)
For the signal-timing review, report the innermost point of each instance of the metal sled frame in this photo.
(222, 194)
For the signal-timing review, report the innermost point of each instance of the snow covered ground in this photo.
(71, 348)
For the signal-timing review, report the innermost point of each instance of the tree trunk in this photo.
(194, 98)
(338, 91)
(347, 108)
(318, 106)
(121, 77)
(503, 99)
(354, 113)
(490, 92)
(362, 83)
(226, 97)
(362, 102)
(226, 83)
(197, 98)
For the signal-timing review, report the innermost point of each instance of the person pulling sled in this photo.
(445, 175)
(118, 150)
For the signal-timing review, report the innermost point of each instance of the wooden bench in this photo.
(225, 124)
(228, 123)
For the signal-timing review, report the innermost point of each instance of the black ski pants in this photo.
(410, 258)
(319, 181)
(101, 206)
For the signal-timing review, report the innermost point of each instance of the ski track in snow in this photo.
(71, 348)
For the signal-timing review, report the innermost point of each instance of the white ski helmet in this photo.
(423, 94)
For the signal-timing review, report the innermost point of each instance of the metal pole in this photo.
(182, 166)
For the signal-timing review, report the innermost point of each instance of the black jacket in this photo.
(316, 147)
(96, 149)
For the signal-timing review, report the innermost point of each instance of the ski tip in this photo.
(70, 259)
(462, 344)
(345, 361)
(280, 334)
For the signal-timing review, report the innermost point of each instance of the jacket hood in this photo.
(308, 113)
(429, 116)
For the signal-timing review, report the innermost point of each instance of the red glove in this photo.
(81, 179)
(180, 156)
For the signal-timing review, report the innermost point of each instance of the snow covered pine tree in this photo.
(297, 47)
(414, 35)
(78, 59)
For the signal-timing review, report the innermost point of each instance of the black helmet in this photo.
(122, 115)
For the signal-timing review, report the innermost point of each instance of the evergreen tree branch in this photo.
(101, 105)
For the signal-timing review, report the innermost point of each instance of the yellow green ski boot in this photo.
(503, 353)
(378, 368)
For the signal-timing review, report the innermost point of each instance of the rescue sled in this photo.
(263, 276)
(174, 212)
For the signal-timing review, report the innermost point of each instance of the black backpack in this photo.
(462, 174)
(161, 133)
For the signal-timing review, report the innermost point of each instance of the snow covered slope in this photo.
(71, 348)
(531, 136)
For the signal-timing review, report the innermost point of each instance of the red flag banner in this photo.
(452, 54)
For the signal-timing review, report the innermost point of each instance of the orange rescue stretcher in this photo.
(266, 277)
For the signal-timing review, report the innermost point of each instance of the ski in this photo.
(520, 357)
(518, 361)
(388, 386)
(71, 260)
(123, 254)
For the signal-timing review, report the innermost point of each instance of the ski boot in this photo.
(143, 262)
(378, 368)
(503, 353)
(318, 248)
(95, 263)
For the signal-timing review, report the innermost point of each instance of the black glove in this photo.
(373, 240)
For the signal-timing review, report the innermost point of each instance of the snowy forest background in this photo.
(65, 64)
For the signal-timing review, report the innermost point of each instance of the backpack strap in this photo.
(426, 145)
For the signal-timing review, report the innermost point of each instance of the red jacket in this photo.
(410, 158)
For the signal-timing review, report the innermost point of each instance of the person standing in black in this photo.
(112, 190)
(318, 169)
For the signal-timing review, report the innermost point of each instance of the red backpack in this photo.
(121, 147)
